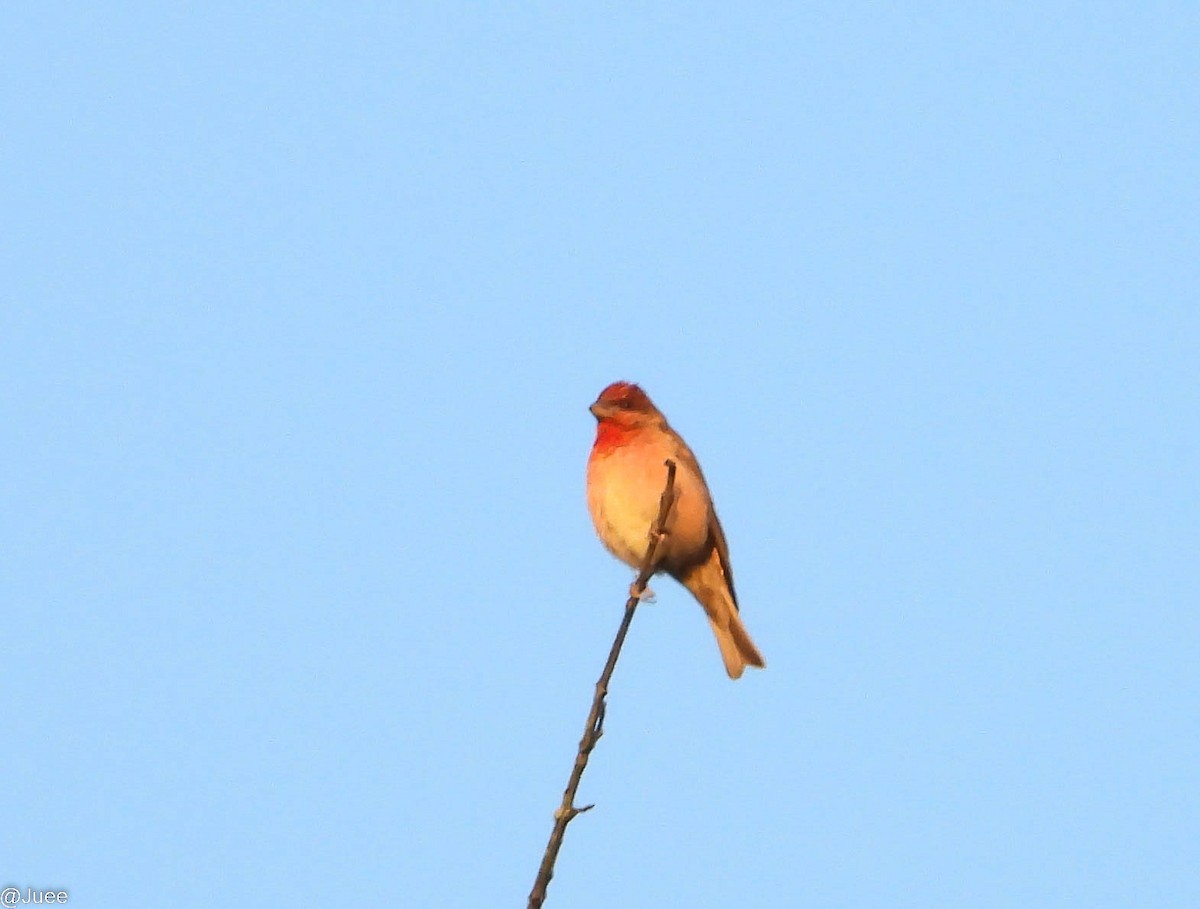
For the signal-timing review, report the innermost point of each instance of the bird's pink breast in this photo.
(625, 483)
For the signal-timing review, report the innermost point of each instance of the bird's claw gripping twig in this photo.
(643, 595)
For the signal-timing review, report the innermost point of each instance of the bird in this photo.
(626, 474)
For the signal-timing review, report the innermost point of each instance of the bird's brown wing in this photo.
(717, 535)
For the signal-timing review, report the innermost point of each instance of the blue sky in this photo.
(303, 306)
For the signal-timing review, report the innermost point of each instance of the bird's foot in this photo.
(644, 595)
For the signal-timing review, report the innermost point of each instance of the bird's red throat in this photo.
(611, 435)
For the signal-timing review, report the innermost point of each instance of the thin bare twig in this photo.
(567, 811)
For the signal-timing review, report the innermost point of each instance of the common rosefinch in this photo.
(625, 479)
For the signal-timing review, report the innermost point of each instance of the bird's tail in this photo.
(708, 585)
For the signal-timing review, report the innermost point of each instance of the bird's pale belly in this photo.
(623, 500)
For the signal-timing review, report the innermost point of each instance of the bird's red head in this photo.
(623, 396)
(621, 410)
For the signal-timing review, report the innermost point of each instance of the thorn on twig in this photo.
(568, 814)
